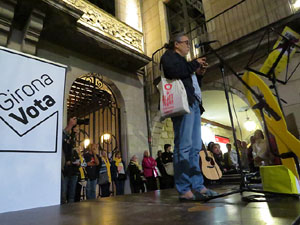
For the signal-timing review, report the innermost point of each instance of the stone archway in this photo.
(240, 108)
(92, 100)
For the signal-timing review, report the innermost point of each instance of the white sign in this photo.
(31, 110)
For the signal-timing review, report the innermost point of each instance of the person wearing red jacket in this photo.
(150, 172)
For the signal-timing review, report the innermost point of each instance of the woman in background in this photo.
(261, 152)
(150, 172)
(92, 160)
(104, 175)
(118, 173)
(135, 170)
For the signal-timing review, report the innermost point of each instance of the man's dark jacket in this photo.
(176, 67)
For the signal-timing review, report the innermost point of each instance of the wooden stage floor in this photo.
(161, 207)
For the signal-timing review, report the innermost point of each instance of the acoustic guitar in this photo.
(209, 167)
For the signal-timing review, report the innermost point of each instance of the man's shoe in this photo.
(210, 193)
(183, 199)
(200, 197)
(197, 197)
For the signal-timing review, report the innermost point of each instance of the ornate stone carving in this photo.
(32, 32)
(108, 25)
(7, 11)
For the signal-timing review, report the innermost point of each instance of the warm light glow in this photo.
(105, 138)
(86, 142)
(297, 4)
(250, 125)
(132, 14)
(207, 134)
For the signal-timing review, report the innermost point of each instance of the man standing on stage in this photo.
(187, 128)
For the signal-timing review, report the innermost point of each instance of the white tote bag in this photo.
(173, 98)
(169, 168)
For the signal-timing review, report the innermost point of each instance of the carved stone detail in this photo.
(7, 11)
(107, 25)
(32, 32)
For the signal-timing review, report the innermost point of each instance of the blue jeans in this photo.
(69, 188)
(187, 145)
(91, 189)
(120, 184)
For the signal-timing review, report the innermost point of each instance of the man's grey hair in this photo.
(176, 37)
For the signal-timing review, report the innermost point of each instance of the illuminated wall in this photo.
(129, 12)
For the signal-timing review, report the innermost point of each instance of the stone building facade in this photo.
(87, 39)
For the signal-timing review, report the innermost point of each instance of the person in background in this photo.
(217, 153)
(250, 155)
(167, 159)
(91, 158)
(82, 175)
(167, 155)
(104, 174)
(244, 155)
(234, 156)
(71, 162)
(162, 170)
(261, 152)
(135, 171)
(118, 173)
(228, 156)
(210, 146)
(150, 172)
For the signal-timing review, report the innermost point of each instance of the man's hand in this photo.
(72, 122)
(201, 61)
(202, 69)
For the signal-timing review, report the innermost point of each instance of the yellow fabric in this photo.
(137, 164)
(240, 151)
(119, 165)
(287, 32)
(82, 177)
(107, 164)
(117, 161)
(279, 179)
(285, 141)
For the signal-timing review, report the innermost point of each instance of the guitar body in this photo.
(209, 167)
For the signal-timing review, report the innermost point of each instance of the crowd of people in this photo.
(84, 170)
(252, 155)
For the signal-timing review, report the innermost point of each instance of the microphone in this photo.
(205, 43)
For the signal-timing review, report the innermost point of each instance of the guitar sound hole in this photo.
(208, 159)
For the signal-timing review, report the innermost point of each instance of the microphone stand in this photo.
(262, 104)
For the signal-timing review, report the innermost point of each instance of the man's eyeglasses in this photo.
(186, 42)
